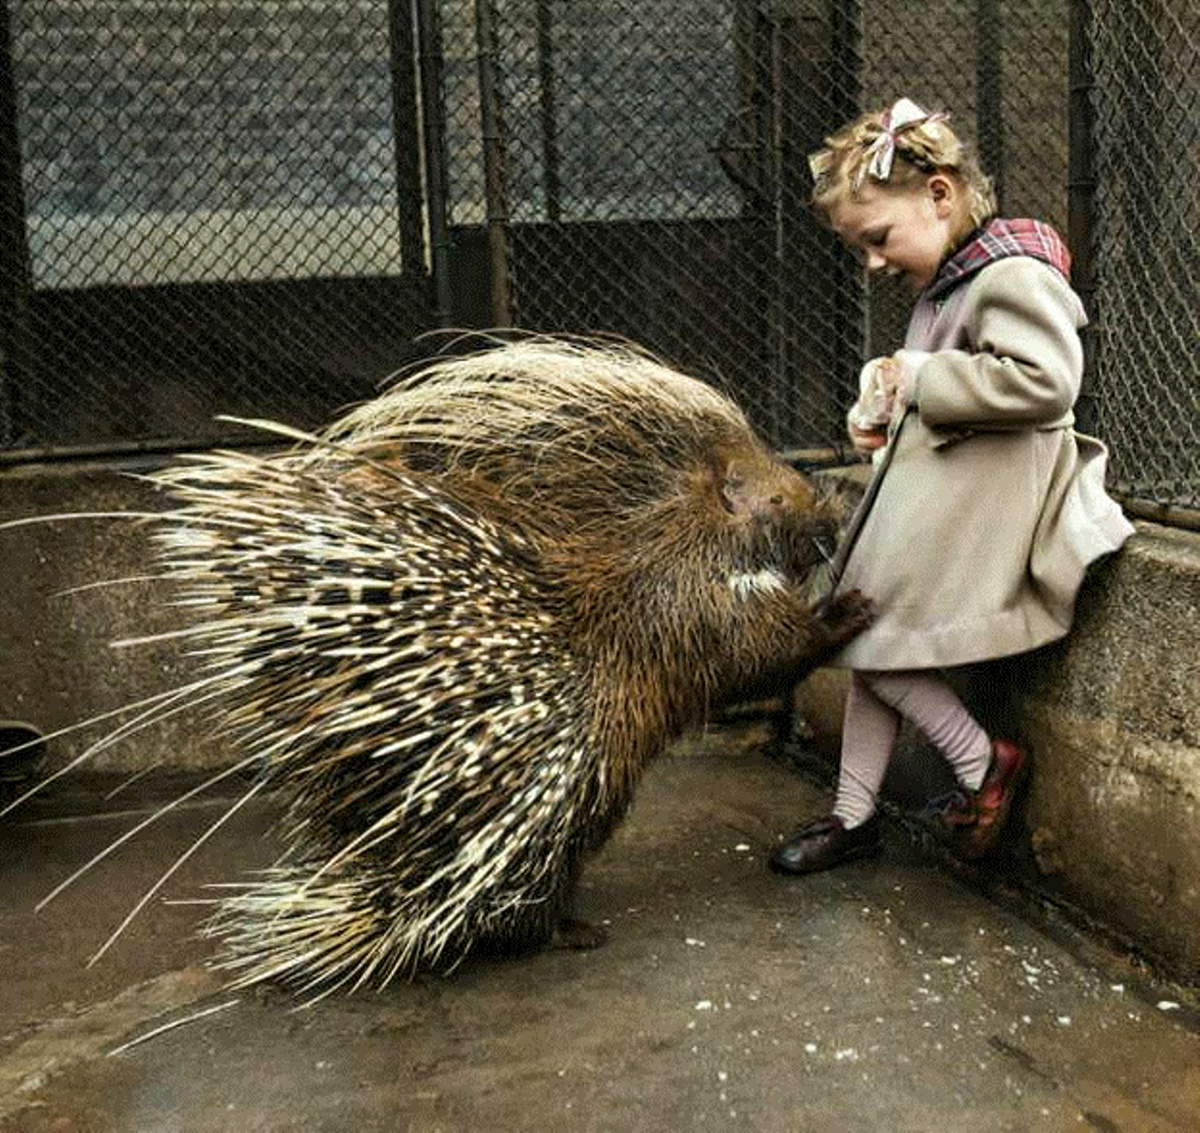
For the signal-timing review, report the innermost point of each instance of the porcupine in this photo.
(453, 630)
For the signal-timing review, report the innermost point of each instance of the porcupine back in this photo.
(454, 631)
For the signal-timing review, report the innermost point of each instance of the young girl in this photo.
(990, 507)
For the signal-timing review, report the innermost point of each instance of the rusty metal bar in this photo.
(1167, 514)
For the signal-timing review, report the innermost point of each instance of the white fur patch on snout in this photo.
(764, 581)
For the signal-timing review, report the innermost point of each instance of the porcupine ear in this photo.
(729, 484)
(740, 491)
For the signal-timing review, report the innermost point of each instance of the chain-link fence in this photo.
(640, 171)
(231, 206)
(1144, 69)
(208, 207)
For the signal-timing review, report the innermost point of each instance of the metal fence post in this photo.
(989, 79)
(433, 128)
(405, 136)
(495, 161)
(15, 275)
(852, 320)
(1081, 194)
(548, 113)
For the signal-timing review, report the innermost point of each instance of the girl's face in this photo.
(903, 232)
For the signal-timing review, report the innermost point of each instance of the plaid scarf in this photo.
(997, 240)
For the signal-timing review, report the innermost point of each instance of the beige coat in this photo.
(992, 506)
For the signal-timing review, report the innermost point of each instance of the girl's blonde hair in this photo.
(923, 145)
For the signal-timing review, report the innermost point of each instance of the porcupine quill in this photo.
(451, 632)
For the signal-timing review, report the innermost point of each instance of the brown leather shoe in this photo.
(1006, 775)
(972, 820)
(825, 842)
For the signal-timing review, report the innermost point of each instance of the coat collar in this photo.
(997, 240)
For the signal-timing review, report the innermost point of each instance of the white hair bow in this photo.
(904, 112)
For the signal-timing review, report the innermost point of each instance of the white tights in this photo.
(876, 704)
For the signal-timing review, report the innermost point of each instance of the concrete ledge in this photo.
(56, 669)
(1109, 829)
(1115, 714)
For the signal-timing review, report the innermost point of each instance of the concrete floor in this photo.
(883, 996)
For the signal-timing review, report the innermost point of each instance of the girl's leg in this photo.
(851, 831)
(869, 730)
(990, 772)
(934, 707)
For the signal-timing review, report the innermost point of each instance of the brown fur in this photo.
(459, 627)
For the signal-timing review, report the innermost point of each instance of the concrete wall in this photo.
(1109, 828)
(1116, 711)
(56, 666)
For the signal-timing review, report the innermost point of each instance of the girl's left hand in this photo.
(866, 441)
(881, 391)
(889, 378)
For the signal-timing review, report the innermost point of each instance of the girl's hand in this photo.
(881, 395)
(889, 378)
(866, 441)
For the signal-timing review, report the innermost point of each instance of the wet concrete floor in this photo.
(886, 995)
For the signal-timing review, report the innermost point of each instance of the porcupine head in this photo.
(456, 629)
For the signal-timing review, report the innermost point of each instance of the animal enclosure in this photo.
(246, 208)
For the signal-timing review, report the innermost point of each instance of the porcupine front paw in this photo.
(577, 936)
(845, 616)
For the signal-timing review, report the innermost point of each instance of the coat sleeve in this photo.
(1024, 360)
